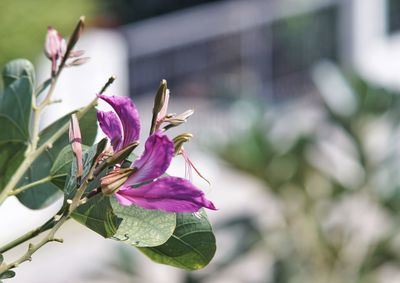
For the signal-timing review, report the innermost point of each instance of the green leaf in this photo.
(44, 194)
(141, 227)
(191, 247)
(7, 274)
(97, 214)
(15, 112)
(1, 258)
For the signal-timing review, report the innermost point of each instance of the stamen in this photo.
(190, 165)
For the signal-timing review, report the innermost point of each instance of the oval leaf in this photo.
(191, 247)
(141, 227)
(15, 112)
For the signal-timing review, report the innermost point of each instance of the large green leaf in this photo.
(191, 247)
(97, 214)
(43, 195)
(141, 227)
(15, 112)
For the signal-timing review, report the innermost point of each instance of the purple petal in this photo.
(111, 126)
(154, 161)
(127, 114)
(170, 194)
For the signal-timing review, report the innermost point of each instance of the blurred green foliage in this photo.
(331, 160)
(24, 24)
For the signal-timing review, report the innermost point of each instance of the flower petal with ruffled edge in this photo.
(111, 126)
(154, 161)
(169, 194)
(128, 117)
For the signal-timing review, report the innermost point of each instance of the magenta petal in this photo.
(120, 195)
(111, 126)
(127, 114)
(154, 161)
(169, 194)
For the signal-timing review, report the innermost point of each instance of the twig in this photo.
(33, 184)
(67, 211)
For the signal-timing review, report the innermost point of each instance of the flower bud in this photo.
(75, 140)
(54, 45)
(163, 111)
(159, 102)
(76, 34)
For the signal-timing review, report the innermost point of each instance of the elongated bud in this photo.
(113, 181)
(54, 44)
(73, 39)
(76, 33)
(163, 112)
(159, 102)
(179, 141)
(76, 144)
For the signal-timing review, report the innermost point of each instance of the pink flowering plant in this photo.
(107, 186)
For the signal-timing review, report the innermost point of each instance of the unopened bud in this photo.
(163, 111)
(159, 102)
(75, 140)
(113, 181)
(54, 44)
(76, 33)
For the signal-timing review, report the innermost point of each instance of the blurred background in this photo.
(296, 126)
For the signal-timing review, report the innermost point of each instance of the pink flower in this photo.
(143, 183)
